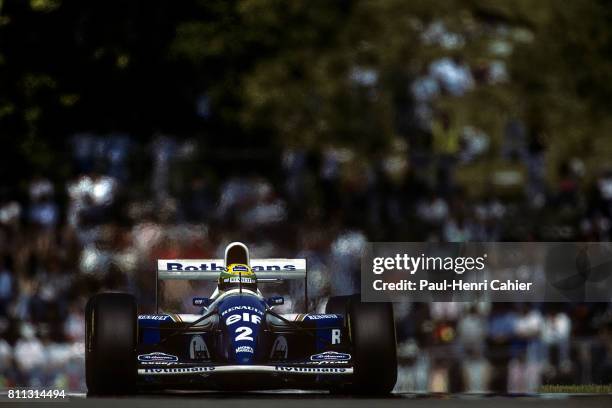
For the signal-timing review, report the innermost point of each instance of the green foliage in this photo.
(283, 72)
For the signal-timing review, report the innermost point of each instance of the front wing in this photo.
(280, 369)
(244, 377)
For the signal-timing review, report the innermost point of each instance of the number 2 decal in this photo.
(245, 333)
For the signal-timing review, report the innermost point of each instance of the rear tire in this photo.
(372, 330)
(110, 344)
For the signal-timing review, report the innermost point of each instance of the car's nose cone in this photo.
(241, 317)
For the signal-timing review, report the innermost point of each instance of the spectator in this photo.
(453, 74)
(6, 287)
(471, 333)
(556, 330)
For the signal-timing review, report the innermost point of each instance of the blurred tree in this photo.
(301, 73)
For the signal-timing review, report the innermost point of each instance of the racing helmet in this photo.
(237, 275)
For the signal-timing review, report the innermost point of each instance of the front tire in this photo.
(110, 344)
(372, 329)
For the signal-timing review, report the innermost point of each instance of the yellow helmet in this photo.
(237, 275)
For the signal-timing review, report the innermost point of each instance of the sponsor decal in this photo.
(280, 348)
(326, 362)
(330, 356)
(316, 370)
(245, 307)
(289, 370)
(212, 266)
(157, 356)
(242, 317)
(153, 317)
(238, 269)
(259, 268)
(245, 349)
(176, 370)
(238, 279)
(198, 349)
(321, 316)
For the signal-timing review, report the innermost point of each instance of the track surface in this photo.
(311, 400)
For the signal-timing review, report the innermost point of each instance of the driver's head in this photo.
(234, 275)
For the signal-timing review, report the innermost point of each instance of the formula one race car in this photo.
(238, 341)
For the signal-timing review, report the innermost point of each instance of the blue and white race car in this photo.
(237, 341)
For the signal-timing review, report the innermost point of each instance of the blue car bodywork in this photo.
(239, 342)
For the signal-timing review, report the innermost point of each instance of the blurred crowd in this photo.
(62, 242)
(503, 347)
(127, 203)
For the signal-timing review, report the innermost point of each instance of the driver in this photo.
(235, 276)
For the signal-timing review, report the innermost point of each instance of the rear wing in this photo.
(266, 270)
(209, 269)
